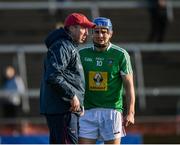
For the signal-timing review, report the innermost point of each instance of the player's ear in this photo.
(111, 33)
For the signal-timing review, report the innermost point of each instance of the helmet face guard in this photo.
(103, 22)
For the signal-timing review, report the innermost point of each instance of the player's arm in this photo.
(130, 98)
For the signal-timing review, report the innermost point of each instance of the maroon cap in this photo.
(78, 19)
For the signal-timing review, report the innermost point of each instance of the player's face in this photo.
(101, 35)
(79, 33)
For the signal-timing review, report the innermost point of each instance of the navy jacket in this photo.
(63, 75)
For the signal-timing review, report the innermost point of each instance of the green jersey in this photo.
(103, 70)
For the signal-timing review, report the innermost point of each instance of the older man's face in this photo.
(79, 33)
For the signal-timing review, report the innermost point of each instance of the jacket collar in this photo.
(58, 34)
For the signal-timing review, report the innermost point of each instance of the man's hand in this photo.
(75, 104)
(129, 119)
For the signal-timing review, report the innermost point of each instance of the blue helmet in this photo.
(103, 22)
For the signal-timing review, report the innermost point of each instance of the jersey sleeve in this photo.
(126, 67)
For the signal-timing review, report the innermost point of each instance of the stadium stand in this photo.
(130, 24)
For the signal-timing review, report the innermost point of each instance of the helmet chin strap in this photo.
(101, 46)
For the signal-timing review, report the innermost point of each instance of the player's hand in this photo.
(75, 104)
(129, 119)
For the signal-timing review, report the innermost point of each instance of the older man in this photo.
(62, 86)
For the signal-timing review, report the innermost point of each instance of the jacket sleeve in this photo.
(58, 59)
